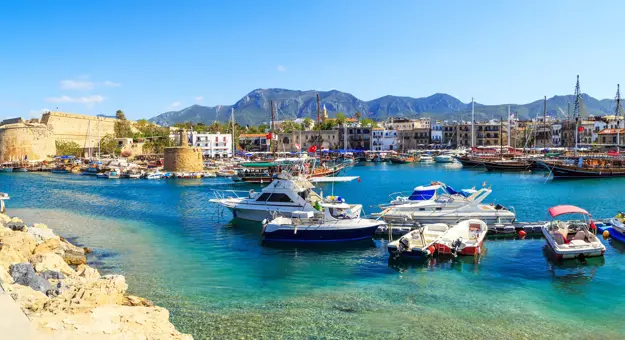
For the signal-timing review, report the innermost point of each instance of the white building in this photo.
(437, 132)
(383, 140)
(599, 126)
(213, 145)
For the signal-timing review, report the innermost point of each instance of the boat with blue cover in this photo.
(440, 203)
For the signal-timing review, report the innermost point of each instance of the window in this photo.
(279, 198)
(263, 197)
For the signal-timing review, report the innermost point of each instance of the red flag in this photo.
(269, 136)
(580, 129)
(358, 179)
(592, 225)
(613, 153)
(312, 149)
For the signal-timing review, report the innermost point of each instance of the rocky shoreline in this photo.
(64, 297)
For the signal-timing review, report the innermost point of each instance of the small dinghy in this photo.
(464, 238)
(419, 242)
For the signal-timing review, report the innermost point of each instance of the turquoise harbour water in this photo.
(219, 281)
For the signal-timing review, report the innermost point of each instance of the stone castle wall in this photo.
(81, 129)
(31, 141)
(183, 159)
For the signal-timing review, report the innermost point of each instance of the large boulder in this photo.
(71, 254)
(9, 255)
(23, 243)
(48, 246)
(24, 274)
(52, 275)
(51, 261)
(41, 234)
(16, 224)
(87, 272)
(78, 294)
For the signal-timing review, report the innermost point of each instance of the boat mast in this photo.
(618, 118)
(576, 108)
(272, 149)
(568, 122)
(545, 123)
(501, 136)
(319, 128)
(234, 146)
(508, 125)
(99, 140)
(472, 122)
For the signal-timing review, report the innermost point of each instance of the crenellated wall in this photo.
(81, 129)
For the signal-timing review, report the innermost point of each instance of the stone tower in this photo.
(183, 158)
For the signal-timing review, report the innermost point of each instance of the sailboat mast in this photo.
(618, 118)
(319, 128)
(272, 131)
(234, 147)
(501, 136)
(472, 122)
(99, 140)
(545, 123)
(578, 97)
(509, 125)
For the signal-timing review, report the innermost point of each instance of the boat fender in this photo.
(265, 223)
(606, 234)
(431, 249)
(522, 233)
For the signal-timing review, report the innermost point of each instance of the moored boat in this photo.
(419, 242)
(508, 165)
(572, 239)
(443, 158)
(336, 222)
(464, 238)
(590, 168)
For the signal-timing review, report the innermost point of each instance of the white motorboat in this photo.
(419, 242)
(444, 158)
(440, 203)
(572, 238)
(336, 222)
(155, 175)
(283, 196)
(134, 175)
(464, 238)
(425, 158)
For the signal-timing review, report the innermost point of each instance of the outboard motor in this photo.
(499, 207)
(455, 245)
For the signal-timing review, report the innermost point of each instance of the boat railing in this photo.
(223, 194)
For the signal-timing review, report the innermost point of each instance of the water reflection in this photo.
(447, 262)
(572, 276)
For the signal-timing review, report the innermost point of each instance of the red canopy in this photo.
(566, 209)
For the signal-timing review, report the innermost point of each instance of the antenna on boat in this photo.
(545, 123)
(272, 131)
(234, 146)
(319, 128)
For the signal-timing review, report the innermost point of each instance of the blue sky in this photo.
(149, 57)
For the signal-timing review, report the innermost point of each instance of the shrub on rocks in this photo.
(24, 274)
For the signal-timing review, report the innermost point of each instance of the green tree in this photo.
(328, 124)
(108, 145)
(119, 114)
(308, 123)
(368, 123)
(122, 129)
(68, 148)
(340, 119)
(289, 126)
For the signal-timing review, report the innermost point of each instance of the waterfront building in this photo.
(612, 137)
(450, 133)
(302, 140)
(383, 140)
(418, 138)
(254, 142)
(437, 132)
(485, 134)
(213, 145)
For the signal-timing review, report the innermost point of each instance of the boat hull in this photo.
(259, 214)
(470, 163)
(571, 253)
(444, 249)
(492, 166)
(573, 173)
(319, 234)
(505, 216)
(6, 170)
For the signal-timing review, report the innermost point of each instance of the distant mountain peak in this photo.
(254, 109)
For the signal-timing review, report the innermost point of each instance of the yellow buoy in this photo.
(606, 234)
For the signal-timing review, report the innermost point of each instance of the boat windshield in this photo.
(341, 213)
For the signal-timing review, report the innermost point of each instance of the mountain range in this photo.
(254, 108)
